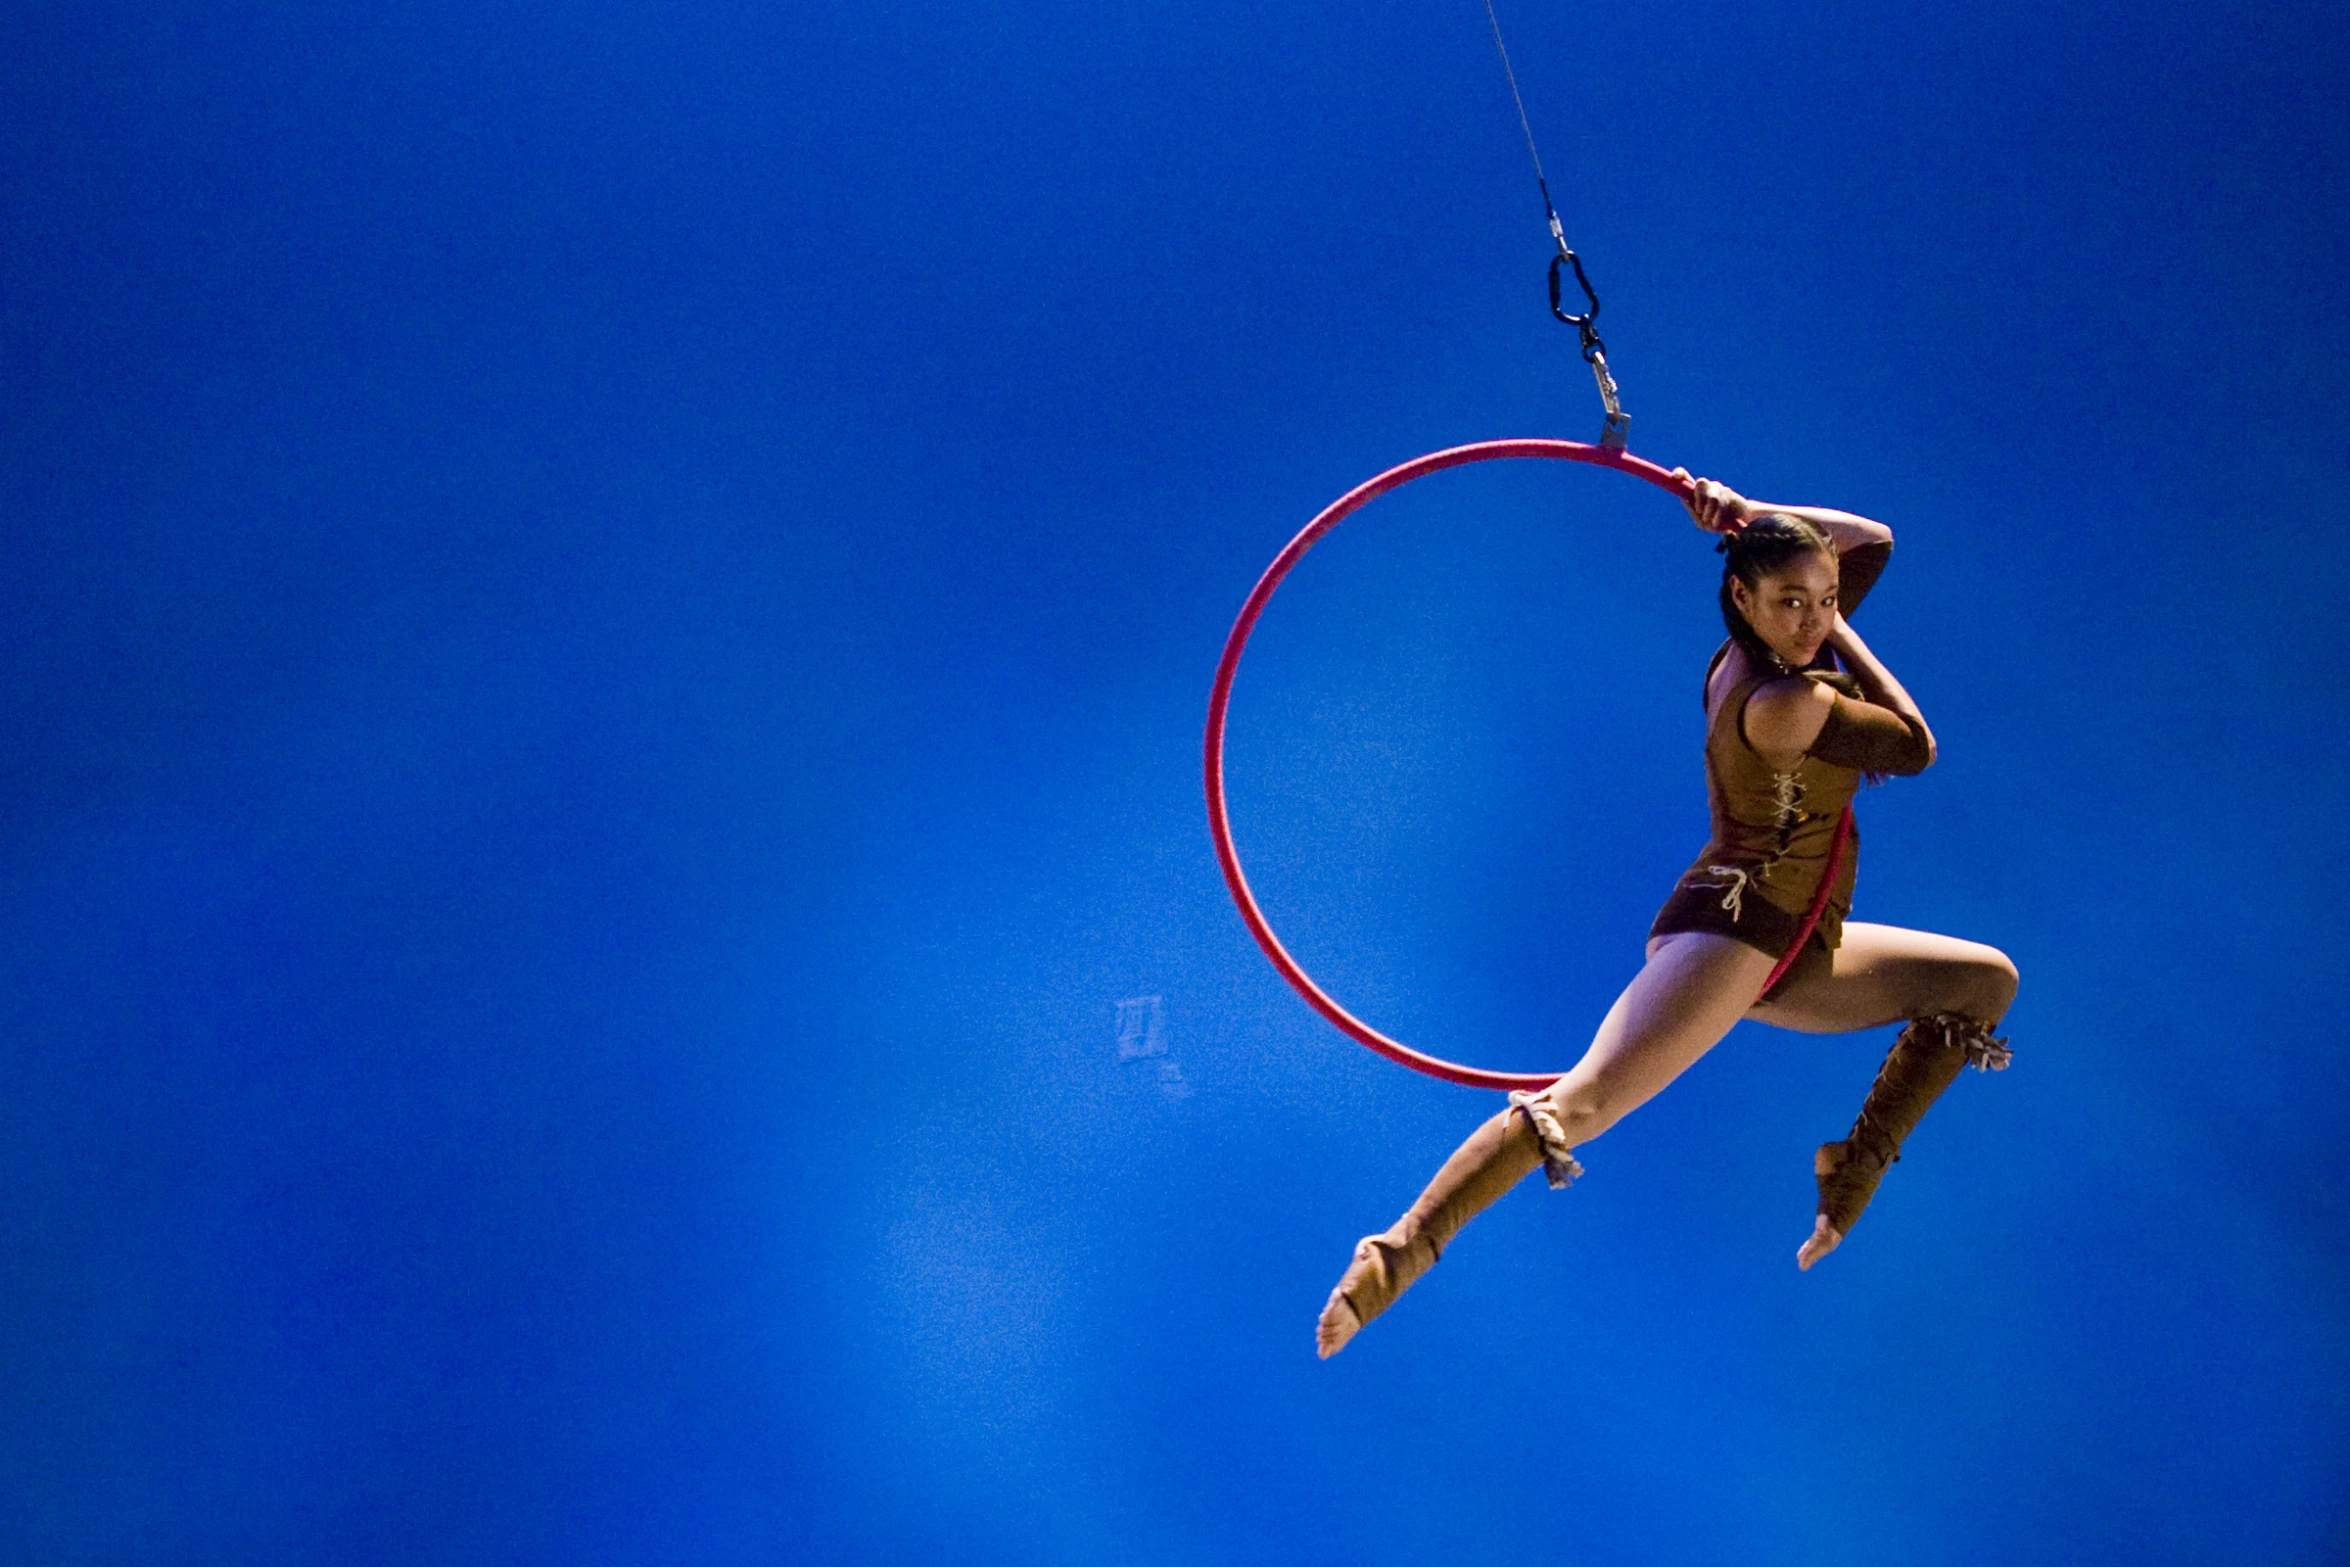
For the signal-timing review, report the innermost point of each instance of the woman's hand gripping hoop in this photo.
(1676, 481)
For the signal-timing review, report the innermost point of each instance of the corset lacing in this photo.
(1787, 799)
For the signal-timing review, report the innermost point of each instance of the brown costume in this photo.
(1771, 833)
(1772, 830)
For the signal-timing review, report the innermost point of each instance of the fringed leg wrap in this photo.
(1558, 1160)
(1496, 1157)
(1926, 1059)
(1983, 1052)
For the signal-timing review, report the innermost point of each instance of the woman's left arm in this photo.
(1884, 734)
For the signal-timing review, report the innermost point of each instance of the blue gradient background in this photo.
(606, 615)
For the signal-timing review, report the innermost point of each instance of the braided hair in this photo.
(1768, 541)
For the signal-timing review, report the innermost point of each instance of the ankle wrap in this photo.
(1558, 1159)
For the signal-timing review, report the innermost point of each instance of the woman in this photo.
(1788, 739)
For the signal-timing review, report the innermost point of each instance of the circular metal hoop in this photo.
(1219, 823)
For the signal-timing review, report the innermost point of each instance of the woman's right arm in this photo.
(1863, 545)
(1885, 734)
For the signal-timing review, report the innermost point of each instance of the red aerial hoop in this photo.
(1220, 825)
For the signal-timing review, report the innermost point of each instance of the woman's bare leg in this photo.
(1689, 994)
(1882, 974)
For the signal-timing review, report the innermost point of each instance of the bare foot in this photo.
(1384, 1266)
(1339, 1323)
(1823, 1241)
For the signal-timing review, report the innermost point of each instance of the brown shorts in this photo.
(1759, 923)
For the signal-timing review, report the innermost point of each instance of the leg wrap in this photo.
(1558, 1160)
(1496, 1157)
(1925, 1060)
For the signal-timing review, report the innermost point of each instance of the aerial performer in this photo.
(1788, 740)
(1798, 712)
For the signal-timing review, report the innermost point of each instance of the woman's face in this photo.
(1792, 608)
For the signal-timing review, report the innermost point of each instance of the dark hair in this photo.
(1768, 541)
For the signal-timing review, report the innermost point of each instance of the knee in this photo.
(1988, 987)
(1584, 1109)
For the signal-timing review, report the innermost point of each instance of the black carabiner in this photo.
(1592, 346)
(1556, 308)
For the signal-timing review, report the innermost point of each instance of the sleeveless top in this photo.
(1771, 834)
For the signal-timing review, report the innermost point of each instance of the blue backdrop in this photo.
(606, 614)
